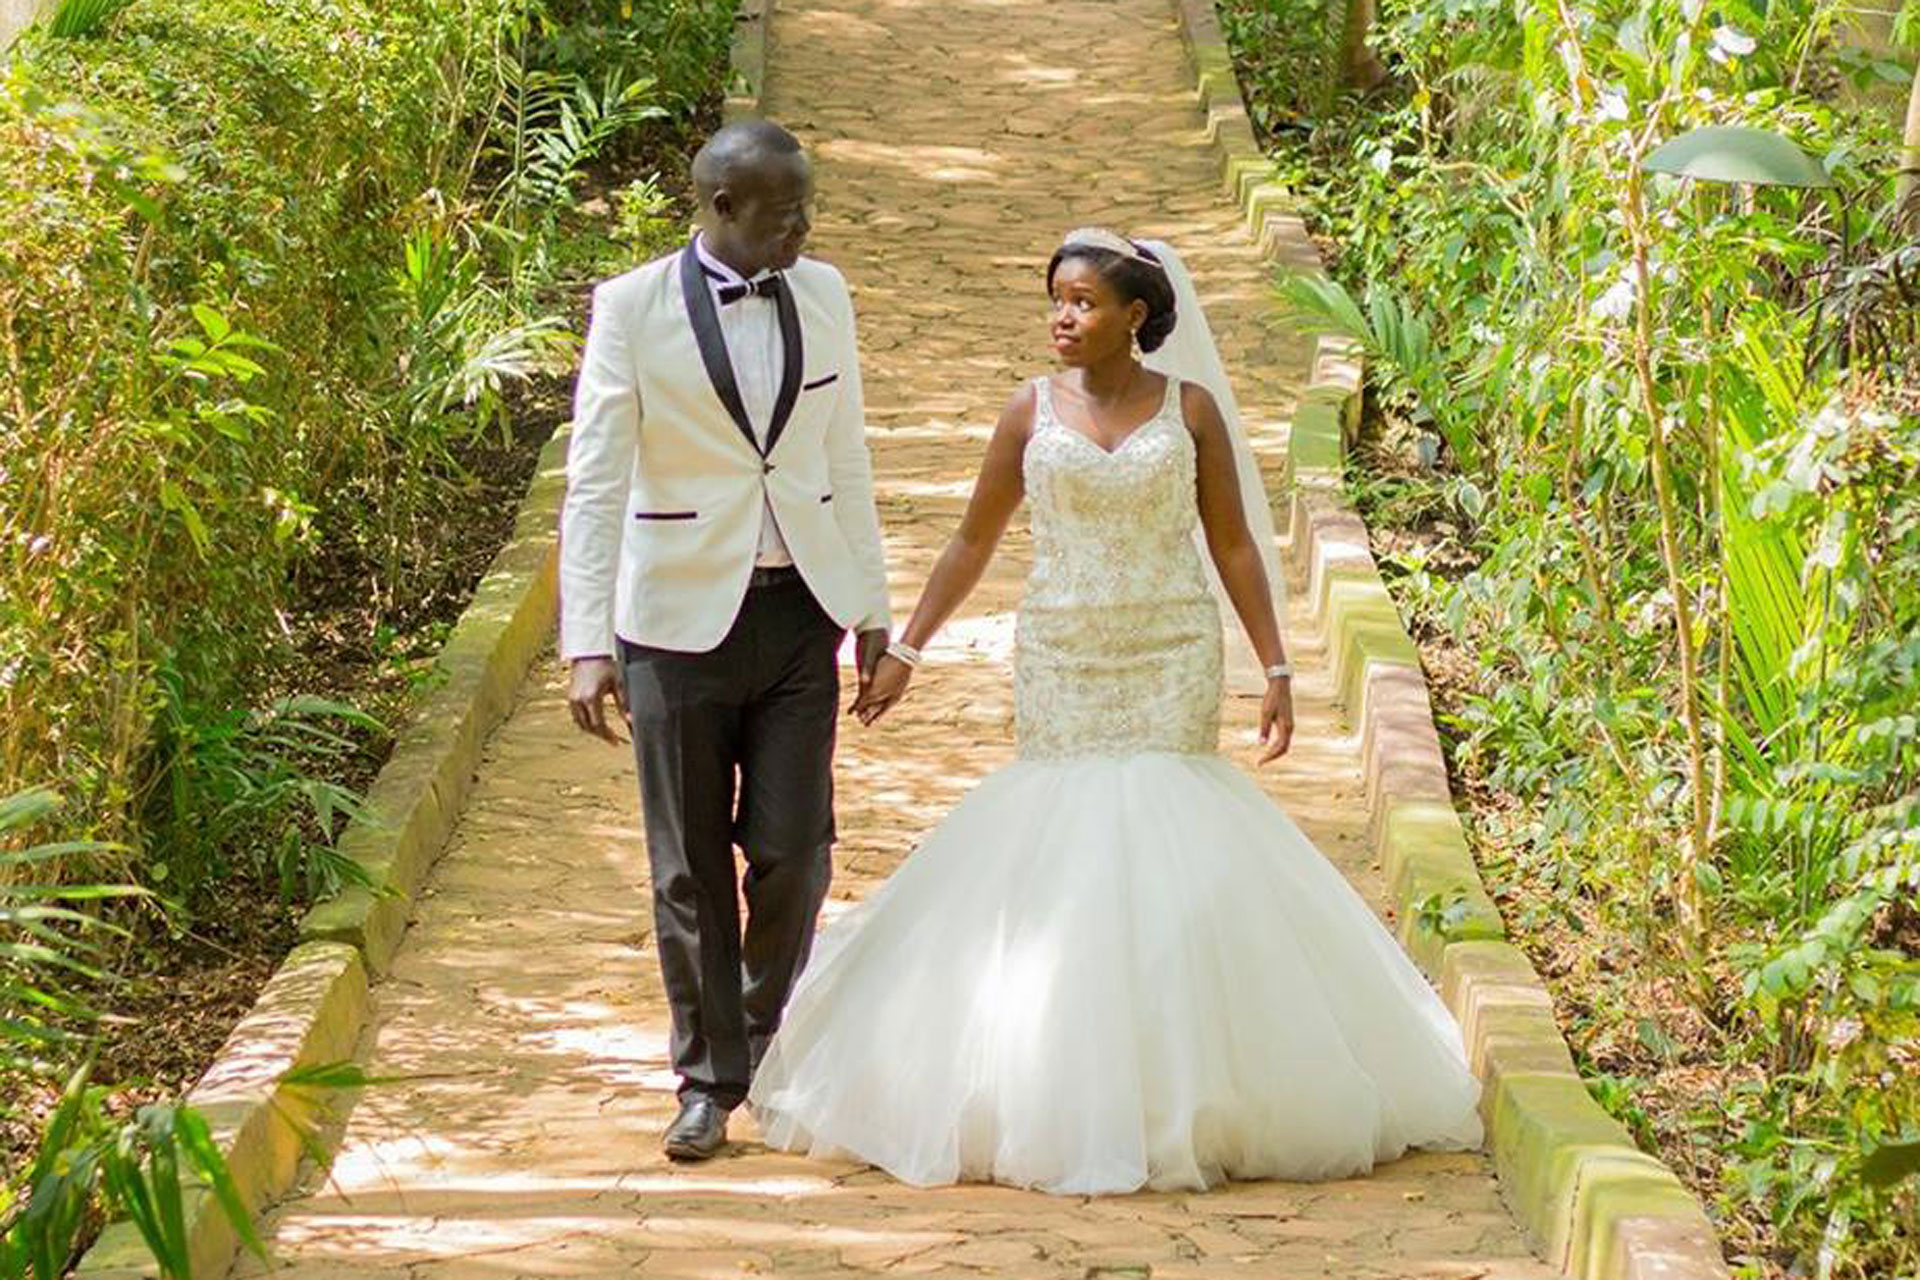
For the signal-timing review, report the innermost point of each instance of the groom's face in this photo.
(761, 220)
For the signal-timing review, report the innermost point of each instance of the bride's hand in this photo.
(1276, 719)
(888, 685)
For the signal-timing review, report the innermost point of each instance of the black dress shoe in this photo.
(699, 1131)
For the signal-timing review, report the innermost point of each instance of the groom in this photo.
(719, 537)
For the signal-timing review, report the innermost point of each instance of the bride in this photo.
(1116, 964)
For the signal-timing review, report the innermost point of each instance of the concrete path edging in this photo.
(1595, 1205)
(414, 803)
(309, 1015)
(313, 1008)
(747, 80)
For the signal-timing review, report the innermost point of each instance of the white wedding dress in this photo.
(1116, 964)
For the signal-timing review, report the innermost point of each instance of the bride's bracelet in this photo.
(1280, 671)
(904, 652)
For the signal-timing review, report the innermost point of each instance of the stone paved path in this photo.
(956, 140)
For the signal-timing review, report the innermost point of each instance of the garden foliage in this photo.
(268, 269)
(1660, 442)
(267, 266)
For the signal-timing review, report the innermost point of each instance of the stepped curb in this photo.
(1593, 1204)
(315, 1006)
(747, 82)
(309, 1014)
(414, 803)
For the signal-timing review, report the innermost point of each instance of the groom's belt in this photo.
(772, 576)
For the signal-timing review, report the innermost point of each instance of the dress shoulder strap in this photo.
(1042, 400)
(1173, 404)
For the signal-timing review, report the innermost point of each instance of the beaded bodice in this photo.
(1118, 644)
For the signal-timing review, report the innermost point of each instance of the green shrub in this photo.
(1658, 442)
(268, 269)
(268, 266)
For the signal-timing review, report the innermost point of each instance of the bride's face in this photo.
(1091, 321)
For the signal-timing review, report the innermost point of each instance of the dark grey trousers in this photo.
(736, 748)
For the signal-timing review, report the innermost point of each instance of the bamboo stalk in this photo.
(1596, 581)
(1687, 897)
(1589, 554)
(1715, 522)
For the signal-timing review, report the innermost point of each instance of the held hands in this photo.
(1276, 719)
(887, 686)
(592, 680)
(867, 648)
(879, 689)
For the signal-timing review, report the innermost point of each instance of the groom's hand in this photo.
(593, 679)
(868, 648)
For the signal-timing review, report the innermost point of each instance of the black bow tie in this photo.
(764, 287)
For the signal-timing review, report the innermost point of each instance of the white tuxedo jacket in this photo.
(666, 482)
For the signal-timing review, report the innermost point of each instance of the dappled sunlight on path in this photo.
(956, 140)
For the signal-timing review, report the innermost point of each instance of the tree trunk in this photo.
(1908, 184)
(1357, 67)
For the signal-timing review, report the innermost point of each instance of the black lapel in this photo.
(713, 347)
(793, 350)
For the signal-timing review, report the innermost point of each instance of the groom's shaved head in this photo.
(756, 196)
(742, 155)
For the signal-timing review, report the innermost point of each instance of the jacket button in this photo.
(766, 468)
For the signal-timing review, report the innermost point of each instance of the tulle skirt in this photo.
(1107, 973)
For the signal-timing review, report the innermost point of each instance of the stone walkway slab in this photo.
(956, 140)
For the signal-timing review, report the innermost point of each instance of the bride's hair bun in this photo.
(1157, 327)
(1141, 278)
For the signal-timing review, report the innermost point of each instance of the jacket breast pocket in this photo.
(825, 380)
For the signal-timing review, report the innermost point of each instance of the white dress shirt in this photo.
(751, 328)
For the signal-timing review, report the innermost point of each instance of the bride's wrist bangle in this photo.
(1280, 671)
(904, 652)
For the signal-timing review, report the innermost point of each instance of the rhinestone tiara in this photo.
(1113, 241)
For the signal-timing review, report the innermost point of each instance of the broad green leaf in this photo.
(1891, 1163)
(211, 321)
(1737, 153)
(26, 807)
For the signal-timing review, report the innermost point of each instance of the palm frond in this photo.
(74, 19)
(1324, 304)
